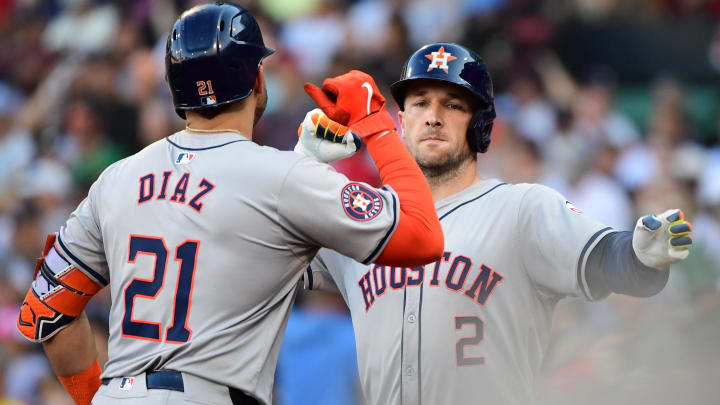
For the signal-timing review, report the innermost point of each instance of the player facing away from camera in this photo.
(203, 236)
(472, 327)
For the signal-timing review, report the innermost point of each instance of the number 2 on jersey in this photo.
(460, 358)
(186, 254)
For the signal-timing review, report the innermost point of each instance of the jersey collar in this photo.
(197, 141)
(475, 190)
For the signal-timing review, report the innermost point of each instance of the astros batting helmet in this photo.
(458, 65)
(212, 56)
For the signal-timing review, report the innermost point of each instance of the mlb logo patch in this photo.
(360, 202)
(572, 208)
(184, 158)
(126, 383)
(209, 100)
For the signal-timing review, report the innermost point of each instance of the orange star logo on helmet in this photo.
(439, 59)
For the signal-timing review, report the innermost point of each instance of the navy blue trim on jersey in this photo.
(79, 262)
(309, 277)
(471, 200)
(581, 259)
(381, 244)
(613, 266)
(208, 147)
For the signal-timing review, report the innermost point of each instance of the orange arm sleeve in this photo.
(82, 386)
(418, 239)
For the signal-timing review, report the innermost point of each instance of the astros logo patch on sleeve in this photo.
(360, 202)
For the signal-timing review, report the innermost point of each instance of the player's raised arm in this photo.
(601, 260)
(353, 99)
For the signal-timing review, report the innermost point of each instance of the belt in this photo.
(172, 380)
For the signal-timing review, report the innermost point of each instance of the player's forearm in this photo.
(52, 313)
(72, 350)
(73, 357)
(613, 266)
(419, 236)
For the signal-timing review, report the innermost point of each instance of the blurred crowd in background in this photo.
(615, 103)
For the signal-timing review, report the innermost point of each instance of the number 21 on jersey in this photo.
(186, 255)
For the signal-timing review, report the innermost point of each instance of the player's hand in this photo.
(353, 99)
(661, 240)
(347, 98)
(325, 140)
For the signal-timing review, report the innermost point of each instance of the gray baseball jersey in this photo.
(202, 239)
(472, 327)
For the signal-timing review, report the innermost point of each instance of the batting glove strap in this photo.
(325, 140)
(374, 125)
(661, 240)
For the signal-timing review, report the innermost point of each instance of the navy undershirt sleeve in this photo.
(613, 267)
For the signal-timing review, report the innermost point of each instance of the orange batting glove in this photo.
(353, 99)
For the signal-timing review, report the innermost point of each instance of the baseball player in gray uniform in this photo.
(203, 236)
(473, 326)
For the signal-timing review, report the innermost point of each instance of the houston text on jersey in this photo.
(457, 275)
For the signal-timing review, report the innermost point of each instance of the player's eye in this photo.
(420, 103)
(454, 106)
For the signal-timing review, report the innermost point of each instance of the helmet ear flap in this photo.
(478, 131)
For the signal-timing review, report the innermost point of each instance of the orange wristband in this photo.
(82, 386)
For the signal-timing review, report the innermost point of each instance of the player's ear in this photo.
(402, 123)
(259, 86)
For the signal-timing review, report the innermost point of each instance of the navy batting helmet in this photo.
(213, 55)
(458, 65)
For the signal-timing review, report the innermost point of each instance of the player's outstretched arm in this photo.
(636, 263)
(353, 99)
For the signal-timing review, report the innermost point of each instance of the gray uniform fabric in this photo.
(132, 390)
(472, 327)
(202, 239)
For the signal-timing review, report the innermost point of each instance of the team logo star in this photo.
(361, 202)
(440, 59)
